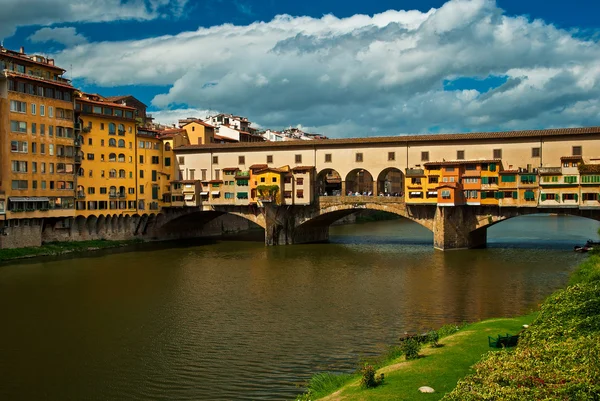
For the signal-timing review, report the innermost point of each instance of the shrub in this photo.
(368, 379)
(410, 347)
(433, 338)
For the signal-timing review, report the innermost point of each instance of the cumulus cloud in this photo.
(366, 75)
(67, 36)
(17, 13)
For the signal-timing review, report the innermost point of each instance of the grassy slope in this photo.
(439, 368)
(57, 248)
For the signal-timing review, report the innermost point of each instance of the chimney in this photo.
(22, 50)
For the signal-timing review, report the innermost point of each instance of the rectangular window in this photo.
(50, 111)
(154, 175)
(391, 156)
(359, 157)
(167, 161)
(19, 166)
(19, 184)
(241, 160)
(460, 154)
(327, 159)
(50, 130)
(300, 181)
(33, 147)
(508, 178)
(535, 152)
(424, 156)
(18, 126)
(215, 160)
(300, 193)
(141, 159)
(217, 174)
(42, 110)
(269, 159)
(181, 160)
(298, 158)
(497, 154)
(33, 128)
(141, 189)
(155, 160)
(141, 173)
(577, 151)
(18, 107)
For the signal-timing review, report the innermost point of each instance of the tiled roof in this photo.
(575, 158)
(122, 106)
(185, 181)
(258, 166)
(39, 79)
(589, 168)
(460, 162)
(230, 169)
(277, 170)
(508, 171)
(215, 181)
(198, 122)
(302, 168)
(26, 58)
(400, 139)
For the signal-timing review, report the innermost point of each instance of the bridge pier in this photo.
(282, 227)
(455, 228)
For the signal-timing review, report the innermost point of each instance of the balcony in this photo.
(86, 130)
(550, 170)
(78, 159)
(80, 195)
(77, 126)
(122, 195)
(113, 196)
(121, 132)
(415, 172)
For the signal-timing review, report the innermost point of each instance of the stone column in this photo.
(454, 227)
(375, 193)
(344, 188)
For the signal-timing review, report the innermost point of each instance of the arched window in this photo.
(112, 173)
(112, 142)
(112, 157)
(121, 158)
(121, 173)
(113, 191)
(122, 191)
(121, 143)
(167, 146)
(121, 129)
(80, 172)
(112, 129)
(80, 191)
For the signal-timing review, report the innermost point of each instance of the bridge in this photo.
(459, 227)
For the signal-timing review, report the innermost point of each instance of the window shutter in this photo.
(515, 195)
(543, 197)
(484, 180)
(576, 198)
(484, 195)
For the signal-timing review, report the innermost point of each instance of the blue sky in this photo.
(459, 66)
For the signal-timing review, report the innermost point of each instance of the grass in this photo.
(439, 368)
(57, 248)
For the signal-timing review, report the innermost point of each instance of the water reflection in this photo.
(235, 320)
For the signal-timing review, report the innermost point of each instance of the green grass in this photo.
(57, 248)
(439, 368)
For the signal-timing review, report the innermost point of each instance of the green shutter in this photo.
(154, 192)
(543, 197)
(576, 198)
(492, 166)
(484, 180)
(153, 175)
(515, 195)
(484, 195)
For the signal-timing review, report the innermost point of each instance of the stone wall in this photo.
(21, 236)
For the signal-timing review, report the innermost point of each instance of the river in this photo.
(234, 320)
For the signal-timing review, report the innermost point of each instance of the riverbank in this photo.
(61, 248)
(558, 356)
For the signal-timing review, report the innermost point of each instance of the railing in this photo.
(112, 196)
(336, 200)
(549, 170)
(122, 195)
(80, 195)
(121, 132)
(86, 130)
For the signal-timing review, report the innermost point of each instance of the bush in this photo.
(410, 347)
(433, 338)
(368, 379)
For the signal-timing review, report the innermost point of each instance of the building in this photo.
(107, 177)
(143, 119)
(198, 132)
(37, 147)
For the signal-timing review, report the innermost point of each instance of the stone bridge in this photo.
(457, 227)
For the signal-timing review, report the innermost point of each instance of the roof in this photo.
(400, 139)
(225, 139)
(198, 122)
(21, 56)
(40, 79)
(230, 169)
(124, 97)
(215, 181)
(571, 158)
(169, 133)
(276, 170)
(455, 162)
(513, 171)
(185, 181)
(258, 166)
(302, 168)
(104, 103)
(589, 168)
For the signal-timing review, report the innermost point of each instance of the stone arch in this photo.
(128, 225)
(329, 181)
(101, 224)
(91, 223)
(79, 224)
(359, 180)
(390, 182)
(120, 223)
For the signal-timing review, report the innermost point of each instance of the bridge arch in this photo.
(359, 180)
(329, 182)
(390, 182)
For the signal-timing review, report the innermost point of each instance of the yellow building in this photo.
(37, 171)
(155, 170)
(268, 185)
(106, 180)
(199, 132)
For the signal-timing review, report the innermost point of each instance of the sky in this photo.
(343, 68)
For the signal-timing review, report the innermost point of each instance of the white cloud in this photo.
(366, 75)
(17, 13)
(67, 36)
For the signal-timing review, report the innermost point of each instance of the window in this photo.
(570, 179)
(203, 171)
(112, 142)
(50, 111)
(181, 160)
(359, 157)
(19, 184)
(215, 160)
(42, 148)
(269, 159)
(298, 158)
(508, 178)
(141, 159)
(141, 190)
(121, 143)
(167, 161)
(446, 194)
(300, 181)
(91, 190)
(460, 155)
(577, 151)
(33, 128)
(262, 179)
(122, 173)
(33, 109)
(300, 193)
(141, 173)
(18, 107)
(241, 160)
(327, 159)
(42, 110)
(274, 179)
(33, 147)
(154, 175)
(497, 154)
(391, 156)
(51, 130)
(18, 147)
(19, 166)
(121, 158)
(18, 126)
(424, 156)
(535, 152)
(155, 160)
(103, 190)
(217, 174)
(90, 156)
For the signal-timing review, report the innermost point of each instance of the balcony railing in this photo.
(86, 130)
(113, 196)
(549, 170)
(122, 195)
(121, 132)
(80, 195)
